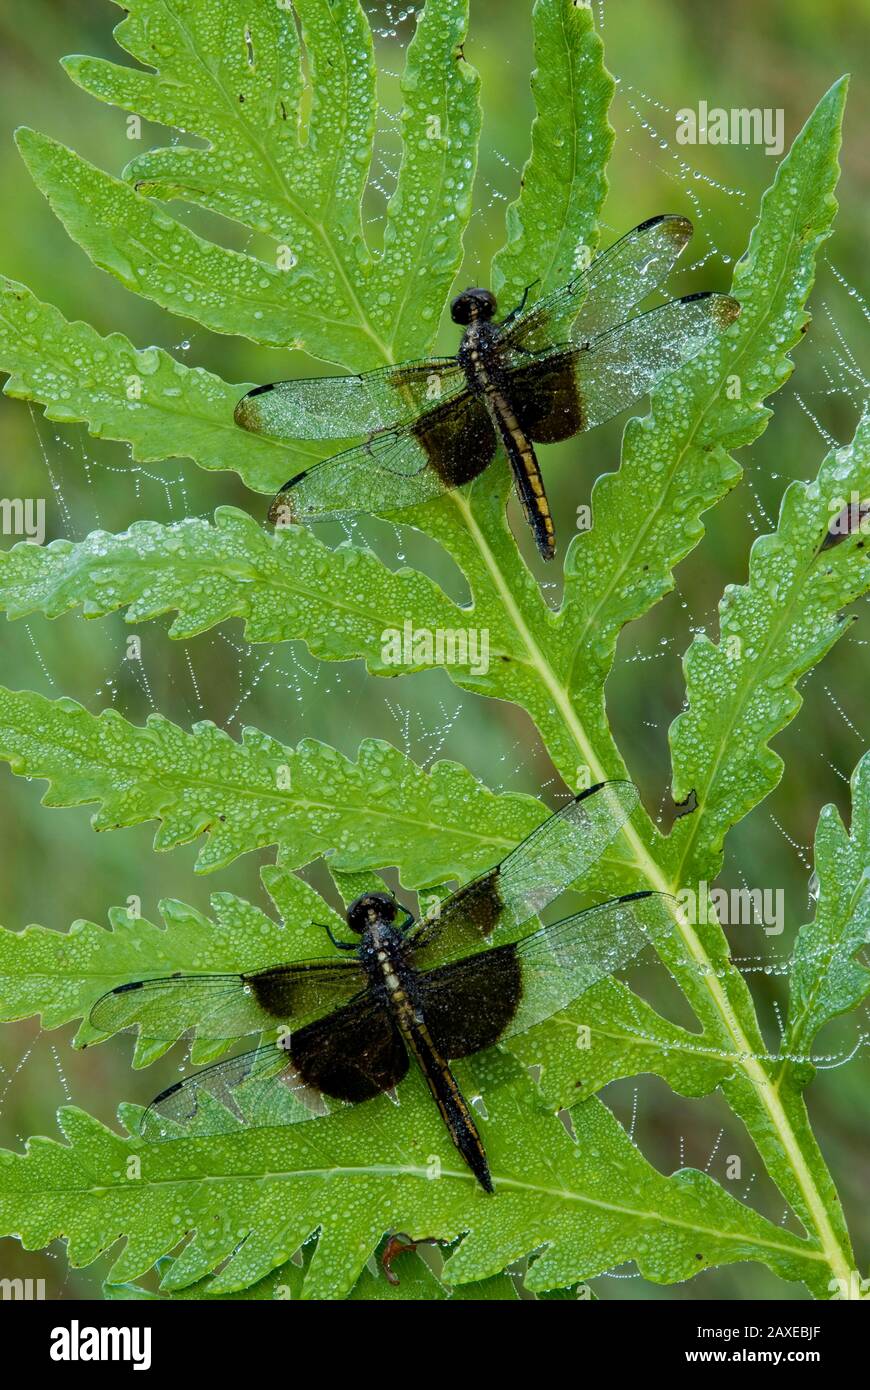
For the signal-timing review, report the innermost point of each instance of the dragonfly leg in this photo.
(341, 945)
(515, 313)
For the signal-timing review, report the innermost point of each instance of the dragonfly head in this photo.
(473, 304)
(369, 908)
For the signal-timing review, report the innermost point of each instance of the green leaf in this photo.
(611, 1032)
(740, 693)
(235, 79)
(293, 175)
(675, 462)
(552, 225)
(416, 1282)
(343, 603)
(743, 690)
(825, 979)
(308, 800)
(432, 203)
(285, 119)
(586, 1205)
(135, 240)
(144, 397)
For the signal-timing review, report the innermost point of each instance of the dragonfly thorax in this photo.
(383, 956)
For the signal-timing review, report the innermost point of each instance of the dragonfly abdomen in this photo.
(487, 378)
(454, 1108)
(527, 474)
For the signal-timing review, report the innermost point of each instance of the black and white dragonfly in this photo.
(567, 363)
(351, 1022)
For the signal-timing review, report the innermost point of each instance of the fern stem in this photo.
(836, 1256)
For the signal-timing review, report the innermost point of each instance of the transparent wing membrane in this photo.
(602, 296)
(227, 1006)
(354, 1048)
(547, 862)
(561, 962)
(347, 407)
(621, 366)
(574, 388)
(477, 1001)
(254, 1090)
(400, 468)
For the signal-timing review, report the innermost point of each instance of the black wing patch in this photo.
(468, 1004)
(576, 388)
(353, 1054)
(444, 448)
(473, 1003)
(546, 397)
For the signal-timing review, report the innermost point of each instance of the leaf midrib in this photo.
(188, 778)
(800, 1249)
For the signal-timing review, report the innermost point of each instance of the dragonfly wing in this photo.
(602, 296)
(548, 861)
(559, 963)
(546, 397)
(253, 1090)
(468, 1004)
(575, 388)
(444, 448)
(623, 365)
(346, 407)
(227, 1006)
(353, 1054)
(473, 1003)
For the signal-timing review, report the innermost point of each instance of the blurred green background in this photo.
(781, 54)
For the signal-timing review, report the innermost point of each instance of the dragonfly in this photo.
(568, 362)
(350, 1023)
